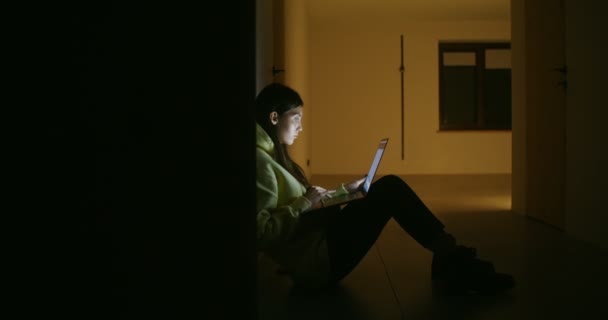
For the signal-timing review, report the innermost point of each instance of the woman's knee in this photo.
(391, 181)
(391, 186)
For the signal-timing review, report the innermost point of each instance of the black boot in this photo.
(461, 272)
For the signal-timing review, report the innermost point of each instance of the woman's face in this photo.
(289, 125)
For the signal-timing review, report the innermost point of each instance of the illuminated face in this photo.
(288, 124)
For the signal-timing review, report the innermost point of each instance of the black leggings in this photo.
(354, 230)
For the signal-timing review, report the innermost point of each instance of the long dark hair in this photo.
(280, 98)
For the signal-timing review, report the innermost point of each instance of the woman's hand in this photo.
(314, 194)
(354, 186)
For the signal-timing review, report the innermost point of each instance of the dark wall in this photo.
(153, 143)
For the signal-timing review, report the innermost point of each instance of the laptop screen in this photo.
(372, 170)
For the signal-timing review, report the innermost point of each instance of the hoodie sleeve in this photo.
(340, 190)
(275, 222)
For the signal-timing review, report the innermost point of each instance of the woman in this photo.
(319, 247)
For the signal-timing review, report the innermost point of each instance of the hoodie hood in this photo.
(263, 140)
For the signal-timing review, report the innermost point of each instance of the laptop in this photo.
(344, 199)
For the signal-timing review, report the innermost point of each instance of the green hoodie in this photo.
(280, 204)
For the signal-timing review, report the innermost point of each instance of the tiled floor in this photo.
(557, 277)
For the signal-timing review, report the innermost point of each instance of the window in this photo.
(474, 86)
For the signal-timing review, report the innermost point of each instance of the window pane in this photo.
(498, 58)
(459, 58)
(497, 98)
(459, 99)
(475, 85)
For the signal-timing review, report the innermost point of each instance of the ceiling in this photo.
(412, 9)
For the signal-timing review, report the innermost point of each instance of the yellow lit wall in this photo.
(296, 72)
(355, 94)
